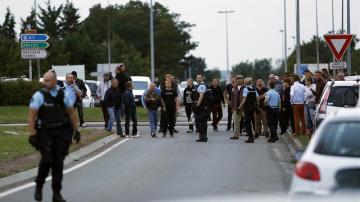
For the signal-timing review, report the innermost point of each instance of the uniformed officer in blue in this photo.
(200, 110)
(50, 110)
(273, 102)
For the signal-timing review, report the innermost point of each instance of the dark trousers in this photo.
(249, 116)
(217, 114)
(130, 115)
(169, 119)
(188, 111)
(273, 121)
(229, 123)
(80, 109)
(105, 113)
(201, 118)
(286, 119)
(54, 145)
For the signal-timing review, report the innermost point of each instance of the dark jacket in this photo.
(81, 85)
(122, 78)
(112, 97)
(320, 85)
(218, 95)
(237, 97)
(152, 104)
(129, 101)
(189, 95)
(261, 91)
(286, 99)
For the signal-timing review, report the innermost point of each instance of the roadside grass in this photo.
(19, 114)
(17, 155)
(304, 139)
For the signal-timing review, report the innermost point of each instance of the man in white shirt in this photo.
(297, 98)
(100, 94)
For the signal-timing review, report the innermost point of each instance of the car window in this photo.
(343, 96)
(140, 85)
(92, 87)
(340, 139)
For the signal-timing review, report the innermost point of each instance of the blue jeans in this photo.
(309, 116)
(153, 118)
(114, 115)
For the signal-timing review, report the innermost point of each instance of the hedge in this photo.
(17, 92)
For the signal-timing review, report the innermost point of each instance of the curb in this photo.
(292, 143)
(71, 158)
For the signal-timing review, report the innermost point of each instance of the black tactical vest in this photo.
(251, 99)
(52, 114)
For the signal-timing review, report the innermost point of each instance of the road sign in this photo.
(30, 31)
(338, 43)
(41, 45)
(34, 37)
(33, 53)
(338, 65)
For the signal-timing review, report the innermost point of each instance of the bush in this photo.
(17, 92)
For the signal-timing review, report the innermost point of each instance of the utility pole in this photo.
(108, 36)
(298, 58)
(285, 39)
(317, 37)
(227, 12)
(349, 48)
(152, 43)
(38, 60)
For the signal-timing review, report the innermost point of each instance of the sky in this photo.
(254, 27)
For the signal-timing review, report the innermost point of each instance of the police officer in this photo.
(188, 100)
(200, 110)
(273, 101)
(50, 110)
(250, 105)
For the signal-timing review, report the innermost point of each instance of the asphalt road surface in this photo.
(177, 169)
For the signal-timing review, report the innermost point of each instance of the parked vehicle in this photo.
(93, 87)
(336, 95)
(141, 83)
(331, 163)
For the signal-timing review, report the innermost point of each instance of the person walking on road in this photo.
(320, 85)
(297, 93)
(200, 109)
(250, 104)
(286, 115)
(112, 100)
(50, 110)
(228, 96)
(78, 104)
(188, 100)
(309, 104)
(273, 102)
(169, 97)
(122, 76)
(153, 102)
(100, 94)
(261, 125)
(216, 107)
(130, 111)
(236, 99)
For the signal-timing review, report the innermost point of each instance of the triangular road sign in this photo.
(338, 43)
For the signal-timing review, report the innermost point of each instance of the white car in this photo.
(331, 163)
(88, 101)
(140, 83)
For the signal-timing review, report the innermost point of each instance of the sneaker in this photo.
(175, 131)
(249, 141)
(127, 136)
(171, 135)
(83, 125)
(234, 138)
(153, 135)
(189, 131)
(137, 135)
(164, 134)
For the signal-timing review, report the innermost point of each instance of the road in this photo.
(167, 169)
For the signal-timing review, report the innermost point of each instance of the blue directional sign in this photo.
(34, 37)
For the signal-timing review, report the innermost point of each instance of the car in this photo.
(93, 87)
(331, 163)
(140, 83)
(336, 95)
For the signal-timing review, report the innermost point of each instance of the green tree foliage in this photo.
(29, 21)
(259, 69)
(7, 28)
(50, 20)
(70, 19)
(212, 74)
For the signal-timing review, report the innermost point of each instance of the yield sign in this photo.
(338, 43)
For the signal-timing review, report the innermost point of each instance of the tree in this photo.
(7, 29)
(212, 74)
(243, 68)
(262, 68)
(29, 21)
(70, 19)
(50, 20)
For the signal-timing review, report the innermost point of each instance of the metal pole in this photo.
(298, 58)
(282, 49)
(30, 70)
(317, 37)
(227, 40)
(333, 29)
(342, 17)
(108, 36)
(152, 45)
(38, 60)
(285, 37)
(348, 31)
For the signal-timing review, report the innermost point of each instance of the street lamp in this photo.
(317, 36)
(108, 35)
(226, 12)
(283, 50)
(348, 31)
(285, 39)
(152, 42)
(298, 57)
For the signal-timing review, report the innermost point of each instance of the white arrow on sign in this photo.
(33, 53)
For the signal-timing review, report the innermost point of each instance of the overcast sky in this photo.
(254, 28)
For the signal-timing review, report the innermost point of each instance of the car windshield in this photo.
(340, 139)
(92, 87)
(343, 96)
(140, 85)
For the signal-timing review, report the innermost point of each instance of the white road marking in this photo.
(30, 184)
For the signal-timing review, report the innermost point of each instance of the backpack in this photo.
(251, 99)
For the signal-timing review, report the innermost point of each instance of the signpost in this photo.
(33, 46)
(338, 44)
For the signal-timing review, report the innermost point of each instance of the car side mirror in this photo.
(298, 154)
